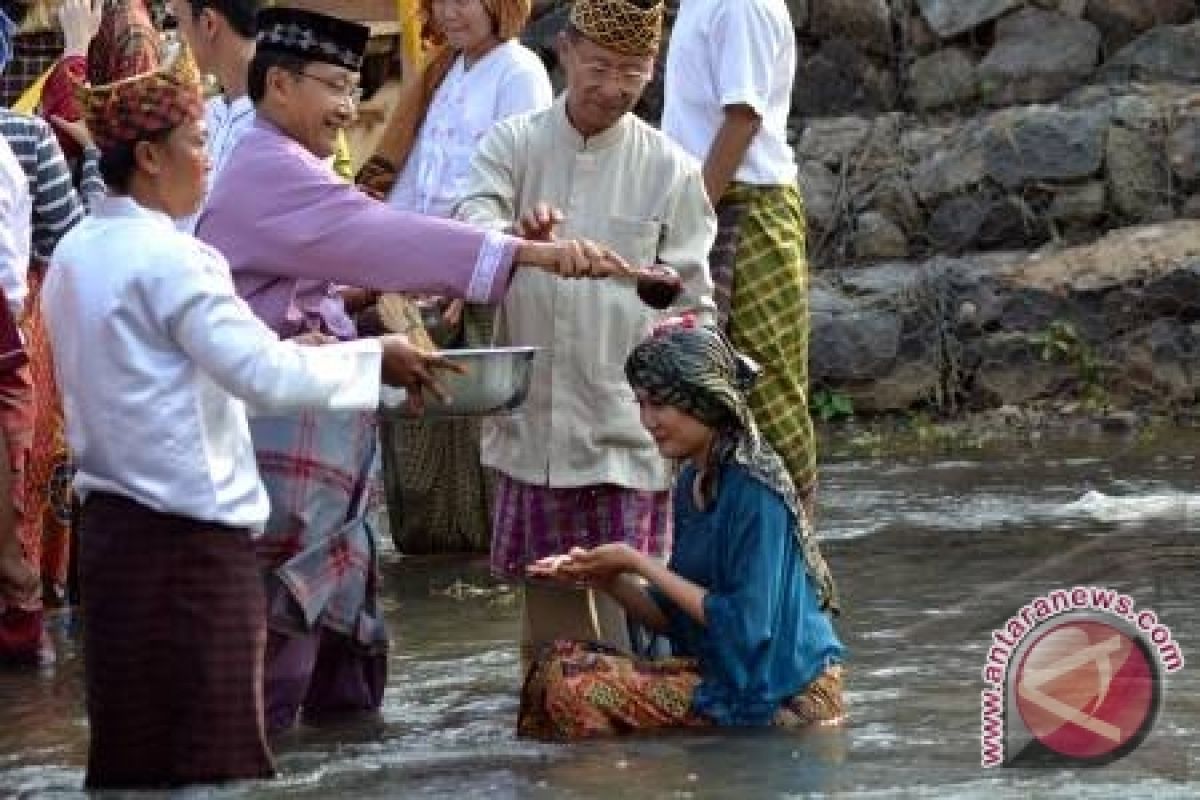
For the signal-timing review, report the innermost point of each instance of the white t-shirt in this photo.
(16, 231)
(510, 79)
(726, 53)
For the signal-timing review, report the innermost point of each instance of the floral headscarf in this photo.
(695, 369)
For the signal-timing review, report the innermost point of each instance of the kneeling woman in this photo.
(746, 597)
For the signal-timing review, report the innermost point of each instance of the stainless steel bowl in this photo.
(496, 381)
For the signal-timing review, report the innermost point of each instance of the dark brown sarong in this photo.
(174, 634)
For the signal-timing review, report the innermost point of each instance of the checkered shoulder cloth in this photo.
(143, 105)
(620, 25)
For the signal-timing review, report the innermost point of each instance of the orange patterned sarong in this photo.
(46, 523)
(584, 690)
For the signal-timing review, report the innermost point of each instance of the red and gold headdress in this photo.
(144, 105)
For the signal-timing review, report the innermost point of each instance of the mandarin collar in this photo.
(125, 207)
(601, 141)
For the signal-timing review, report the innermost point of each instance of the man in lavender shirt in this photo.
(294, 234)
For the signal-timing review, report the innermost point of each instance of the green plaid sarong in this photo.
(759, 262)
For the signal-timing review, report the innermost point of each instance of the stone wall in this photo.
(952, 149)
(946, 147)
(950, 126)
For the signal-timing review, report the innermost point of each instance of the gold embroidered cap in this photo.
(620, 25)
(143, 105)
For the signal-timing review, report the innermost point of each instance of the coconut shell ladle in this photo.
(658, 286)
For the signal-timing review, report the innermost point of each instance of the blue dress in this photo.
(767, 637)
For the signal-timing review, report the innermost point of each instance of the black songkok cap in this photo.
(312, 36)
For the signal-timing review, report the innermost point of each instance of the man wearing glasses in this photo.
(293, 232)
(576, 467)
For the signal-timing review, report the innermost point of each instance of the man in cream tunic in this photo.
(575, 466)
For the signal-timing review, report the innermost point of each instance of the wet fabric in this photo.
(579, 690)
(766, 633)
(552, 611)
(320, 561)
(173, 647)
(321, 673)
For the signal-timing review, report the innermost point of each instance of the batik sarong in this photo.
(582, 690)
(320, 562)
(46, 525)
(759, 263)
(173, 644)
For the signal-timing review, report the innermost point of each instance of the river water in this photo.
(933, 550)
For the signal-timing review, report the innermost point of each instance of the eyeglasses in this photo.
(604, 73)
(346, 92)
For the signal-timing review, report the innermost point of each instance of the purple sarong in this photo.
(533, 522)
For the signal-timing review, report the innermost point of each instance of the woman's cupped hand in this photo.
(597, 567)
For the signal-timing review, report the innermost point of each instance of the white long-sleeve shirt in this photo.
(158, 359)
(16, 220)
(630, 189)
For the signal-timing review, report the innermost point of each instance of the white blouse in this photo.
(510, 79)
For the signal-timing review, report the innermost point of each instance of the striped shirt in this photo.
(56, 205)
